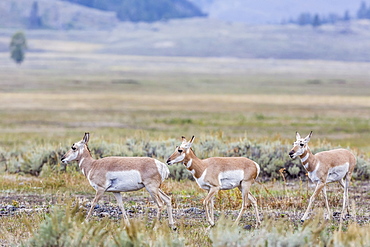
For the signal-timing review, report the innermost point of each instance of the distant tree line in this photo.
(316, 20)
(144, 10)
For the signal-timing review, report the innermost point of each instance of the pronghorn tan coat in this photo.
(325, 167)
(219, 173)
(121, 174)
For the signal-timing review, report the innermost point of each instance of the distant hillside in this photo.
(201, 37)
(145, 10)
(347, 41)
(54, 14)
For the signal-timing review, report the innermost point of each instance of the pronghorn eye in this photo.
(73, 148)
(302, 144)
(180, 151)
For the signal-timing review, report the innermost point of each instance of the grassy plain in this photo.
(63, 94)
(55, 96)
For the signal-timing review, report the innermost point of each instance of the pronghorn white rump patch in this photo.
(121, 181)
(162, 169)
(230, 179)
(337, 173)
(258, 169)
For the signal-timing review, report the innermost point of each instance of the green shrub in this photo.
(271, 156)
(362, 169)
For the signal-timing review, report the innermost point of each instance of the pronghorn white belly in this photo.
(230, 179)
(124, 181)
(337, 173)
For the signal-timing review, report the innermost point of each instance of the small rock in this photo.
(10, 208)
(336, 214)
(247, 227)
(104, 214)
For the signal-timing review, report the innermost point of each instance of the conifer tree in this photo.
(361, 13)
(34, 20)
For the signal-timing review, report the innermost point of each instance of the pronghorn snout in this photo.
(62, 159)
(291, 154)
(168, 161)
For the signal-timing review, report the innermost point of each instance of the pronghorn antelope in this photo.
(214, 174)
(121, 174)
(325, 167)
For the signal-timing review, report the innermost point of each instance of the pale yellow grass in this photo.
(203, 102)
(62, 46)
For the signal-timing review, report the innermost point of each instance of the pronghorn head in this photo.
(180, 152)
(76, 150)
(300, 145)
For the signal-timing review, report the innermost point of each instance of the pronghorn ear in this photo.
(297, 136)
(188, 144)
(191, 140)
(307, 139)
(86, 137)
(183, 139)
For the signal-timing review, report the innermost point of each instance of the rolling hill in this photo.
(347, 41)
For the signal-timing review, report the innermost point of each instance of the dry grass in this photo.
(279, 208)
(343, 120)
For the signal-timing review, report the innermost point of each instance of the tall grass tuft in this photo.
(281, 232)
(66, 226)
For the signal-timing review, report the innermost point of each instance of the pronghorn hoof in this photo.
(210, 226)
(336, 214)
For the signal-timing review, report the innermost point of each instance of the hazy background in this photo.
(175, 67)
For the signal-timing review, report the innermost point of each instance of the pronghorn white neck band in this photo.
(305, 157)
(79, 163)
(188, 165)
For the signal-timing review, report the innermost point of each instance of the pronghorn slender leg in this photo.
(167, 200)
(212, 208)
(318, 189)
(244, 188)
(255, 206)
(328, 217)
(345, 197)
(98, 195)
(120, 204)
(208, 202)
(154, 192)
